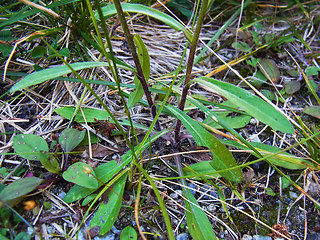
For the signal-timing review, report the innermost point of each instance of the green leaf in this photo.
(23, 236)
(268, 94)
(90, 114)
(198, 223)
(285, 182)
(235, 122)
(51, 73)
(104, 173)
(29, 146)
(313, 70)
(292, 86)
(50, 162)
(285, 160)
(202, 167)
(76, 193)
(223, 158)
(258, 79)
(250, 103)
(107, 212)
(3, 172)
(107, 170)
(128, 233)
(270, 192)
(38, 51)
(64, 52)
(144, 59)
(88, 199)
(241, 46)
(81, 174)
(5, 49)
(313, 111)
(19, 188)
(269, 68)
(110, 10)
(6, 35)
(70, 138)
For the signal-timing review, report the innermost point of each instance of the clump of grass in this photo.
(193, 118)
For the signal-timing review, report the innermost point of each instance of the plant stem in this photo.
(135, 57)
(203, 11)
(113, 69)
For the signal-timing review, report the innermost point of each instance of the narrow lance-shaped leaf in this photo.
(51, 73)
(110, 10)
(19, 188)
(89, 113)
(285, 160)
(250, 103)
(108, 211)
(143, 55)
(199, 226)
(222, 157)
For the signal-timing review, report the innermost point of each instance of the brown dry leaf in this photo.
(202, 155)
(281, 228)
(98, 150)
(247, 176)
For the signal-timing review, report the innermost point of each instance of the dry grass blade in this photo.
(42, 8)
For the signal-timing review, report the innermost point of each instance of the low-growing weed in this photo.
(102, 188)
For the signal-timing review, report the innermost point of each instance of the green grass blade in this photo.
(144, 59)
(24, 14)
(250, 103)
(161, 203)
(110, 10)
(107, 213)
(223, 158)
(285, 160)
(198, 223)
(220, 31)
(51, 73)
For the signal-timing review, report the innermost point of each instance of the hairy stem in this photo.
(195, 38)
(135, 57)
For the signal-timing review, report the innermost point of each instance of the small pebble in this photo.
(246, 237)
(192, 186)
(260, 237)
(255, 139)
(183, 236)
(253, 121)
(209, 191)
(114, 230)
(313, 236)
(212, 208)
(293, 195)
(106, 237)
(62, 194)
(176, 194)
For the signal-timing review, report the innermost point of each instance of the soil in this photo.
(253, 207)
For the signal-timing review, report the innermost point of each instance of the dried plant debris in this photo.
(69, 169)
